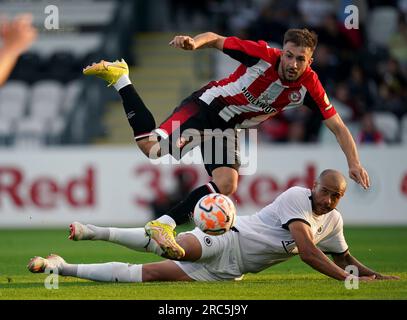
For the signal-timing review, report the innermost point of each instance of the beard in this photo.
(290, 74)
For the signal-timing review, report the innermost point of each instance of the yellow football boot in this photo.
(164, 235)
(108, 71)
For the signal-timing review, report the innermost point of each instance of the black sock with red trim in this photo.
(182, 212)
(139, 117)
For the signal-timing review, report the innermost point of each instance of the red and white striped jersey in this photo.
(254, 92)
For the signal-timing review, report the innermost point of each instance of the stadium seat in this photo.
(30, 132)
(382, 23)
(13, 100)
(28, 68)
(72, 91)
(46, 99)
(56, 128)
(388, 124)
(327, 137)
(343, 109)
(403, 129)
(61, 66)
(6, 131)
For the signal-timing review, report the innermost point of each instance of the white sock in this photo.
(167, 220)
(132, 238)
(123, 81)
(110, 272)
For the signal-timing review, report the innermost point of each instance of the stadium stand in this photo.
(41, 99)
(388, 124)
(403, 130)
(359, 62)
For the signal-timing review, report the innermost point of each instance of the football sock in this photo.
(167, 220)
(140, 118)
(123, 81)
(98, 233)
(132, 238)
(182, 212)
(106, 272)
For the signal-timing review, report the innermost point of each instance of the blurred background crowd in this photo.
(46, 101)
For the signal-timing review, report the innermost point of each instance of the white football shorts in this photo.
(220, 258)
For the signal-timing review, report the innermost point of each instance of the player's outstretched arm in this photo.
(348, 145)
(17, 36)
(346, 259)
(313, 256)
(203, 40)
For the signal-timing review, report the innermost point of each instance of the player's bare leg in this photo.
(226, 179)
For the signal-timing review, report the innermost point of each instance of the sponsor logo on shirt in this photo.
(264, 101)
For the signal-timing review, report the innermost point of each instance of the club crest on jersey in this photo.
(294, 96)
(208, 241)
(319, 231)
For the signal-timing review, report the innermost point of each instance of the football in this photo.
(215, 214)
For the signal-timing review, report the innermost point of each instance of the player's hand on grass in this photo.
(384, 277)
(367, 278)
(183, 42)
(18, 35)
(360, 175)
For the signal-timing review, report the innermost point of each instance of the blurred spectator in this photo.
(325, 64)
(381, 3)
(369, 133)
(359, 89)
(392, 88)
(17, 36)
(166, 201)
(330, 33)
(274, 129)
(296, 132)
(271, 24)
(346, 104)
(398, 43)
(192, 13)
(313, 12)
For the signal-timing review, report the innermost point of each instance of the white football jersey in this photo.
(265, 239)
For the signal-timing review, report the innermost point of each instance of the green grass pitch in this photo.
(383, 249)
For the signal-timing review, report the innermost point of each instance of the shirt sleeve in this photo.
(316, 98)
(334, 242)
(294, 206)
(248, 52)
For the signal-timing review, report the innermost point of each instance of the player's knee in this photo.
(226, 186)
(191, 245)
(226, 180)
(149, 273)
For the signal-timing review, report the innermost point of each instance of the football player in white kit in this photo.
(300, 221)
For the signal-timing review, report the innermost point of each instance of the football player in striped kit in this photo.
(267, 81)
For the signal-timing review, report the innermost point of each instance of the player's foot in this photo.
(39, 264)
(164, 235)
(79, 231)
(108, 71)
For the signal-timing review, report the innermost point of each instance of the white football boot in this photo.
(79, 231)
(39, 264)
